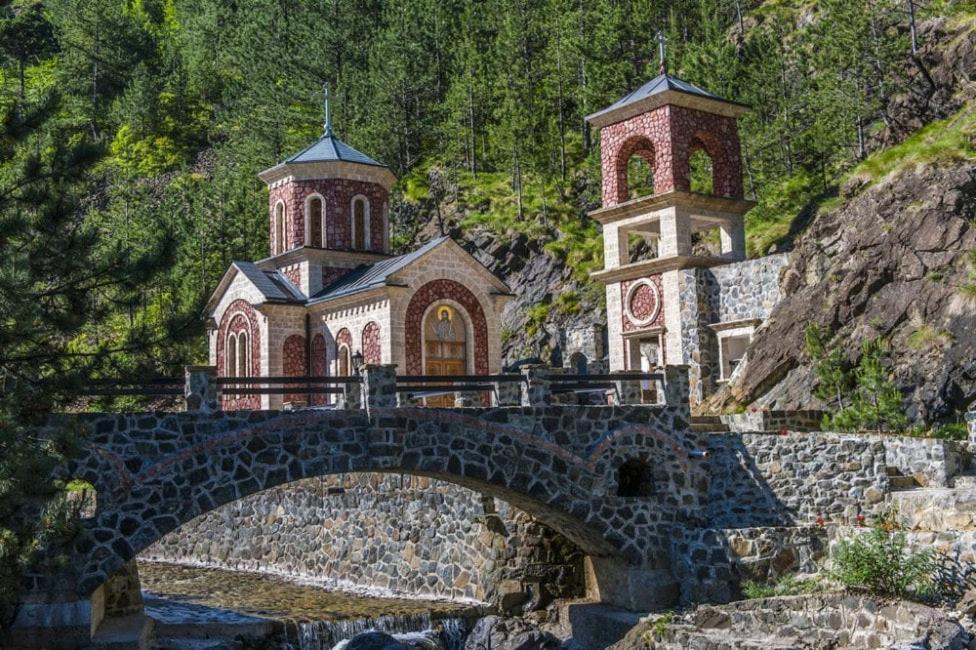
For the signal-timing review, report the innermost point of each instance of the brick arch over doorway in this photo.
(427, 295)
(240, 317)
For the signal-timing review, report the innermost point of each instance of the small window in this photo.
(360, 224)
(243, 355)
(280, 237)
(634, 479)
(345, 361)
(733, 350)
(315, 222)
(230, 356)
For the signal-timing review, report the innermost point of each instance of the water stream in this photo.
(192, 603)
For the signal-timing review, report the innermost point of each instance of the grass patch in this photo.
(788, 585)
(951, 139)
(927, 336)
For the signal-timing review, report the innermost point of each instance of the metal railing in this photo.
(249, 386)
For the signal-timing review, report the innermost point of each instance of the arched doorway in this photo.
(445, 347)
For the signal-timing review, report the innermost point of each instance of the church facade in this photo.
(331, 296)
(671, 299)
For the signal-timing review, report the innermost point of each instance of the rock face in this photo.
(495, 633)
(889, 263)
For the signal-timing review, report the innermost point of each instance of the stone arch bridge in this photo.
(154, 472)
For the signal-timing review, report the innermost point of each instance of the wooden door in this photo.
(443, 367)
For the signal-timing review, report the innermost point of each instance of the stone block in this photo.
(200, 391)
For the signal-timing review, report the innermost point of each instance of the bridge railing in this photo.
(378, 386)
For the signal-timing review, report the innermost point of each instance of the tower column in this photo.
(675, 233)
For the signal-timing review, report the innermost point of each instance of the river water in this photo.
(206, 608)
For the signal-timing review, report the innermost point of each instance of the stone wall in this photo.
(744, 290)
(931, 462)
(404, 534)
(777, 480)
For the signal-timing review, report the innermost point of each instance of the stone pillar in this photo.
(971, 421)
(379, 386)
(535, 386)
(628, 391)
(733, 237)
(507, 393)
(351, 398)
(675, 233)
(200, 389)
(676, 389)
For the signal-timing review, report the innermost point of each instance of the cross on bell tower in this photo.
(327, 110)
(662, 49)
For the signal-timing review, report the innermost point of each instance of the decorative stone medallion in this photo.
(643, 302)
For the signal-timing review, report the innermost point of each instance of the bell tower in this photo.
(657, 305)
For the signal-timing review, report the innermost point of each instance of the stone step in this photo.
(706, 419)
(134, 632)
(902, 483)
(936, 509)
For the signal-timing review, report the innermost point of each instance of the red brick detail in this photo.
(426, 296)
(332, 273)
(338, 194)
(319, 365)
(672, 134)
(371, 343)
(293, 363)
(344, 337)
(294, 274)
(644, 304)
(240, 317)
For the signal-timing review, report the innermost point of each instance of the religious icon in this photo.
(444, 329)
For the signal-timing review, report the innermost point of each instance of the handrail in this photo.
(415, 379)
(283, 390)
(224, 381)
(448, 388)
(157, 381)
(621, 376)
(145, 391)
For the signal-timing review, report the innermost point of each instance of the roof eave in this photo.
(377, 173)
(671, 96)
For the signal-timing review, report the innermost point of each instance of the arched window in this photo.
(243, 355)
(279, 227)
(313, 217)
(230, 356)
(345, 361)
(634, 479)
(700, 173)
(360, 224)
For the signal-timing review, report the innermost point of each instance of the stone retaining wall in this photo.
(711, 564)
(758, 421)
(405, 534)
(784, 480)
(745, 290)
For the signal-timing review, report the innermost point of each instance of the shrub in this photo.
(881, 562)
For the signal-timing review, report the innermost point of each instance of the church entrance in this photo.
(445, 348)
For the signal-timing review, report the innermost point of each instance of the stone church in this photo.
(331, 296)
(671, 299)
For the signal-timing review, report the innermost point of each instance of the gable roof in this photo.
(274, 286)
(379, 274)
(329, 149)
(657, 86)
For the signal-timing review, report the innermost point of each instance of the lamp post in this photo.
(357, 362)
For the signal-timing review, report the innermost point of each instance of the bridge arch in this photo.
(155, 472)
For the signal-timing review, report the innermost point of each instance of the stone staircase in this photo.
(708, 424)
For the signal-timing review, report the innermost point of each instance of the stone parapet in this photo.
(536, 388)
(200, 390)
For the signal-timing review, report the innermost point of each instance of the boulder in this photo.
(496, 633)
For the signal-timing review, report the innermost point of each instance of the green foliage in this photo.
(787, 585)
(862, 397)
(658, 627)
(880, 561)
